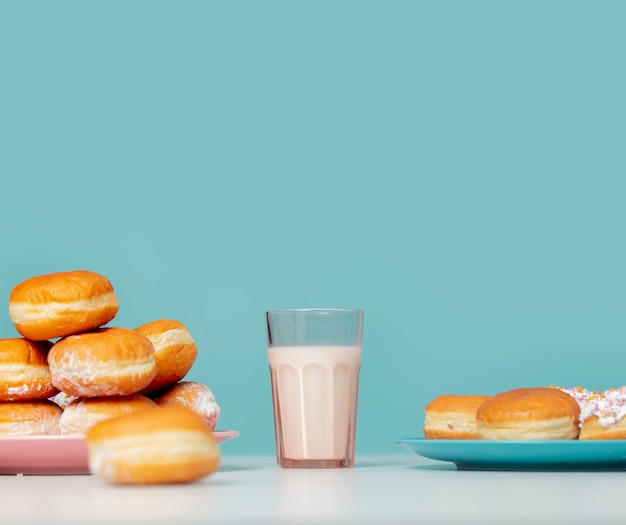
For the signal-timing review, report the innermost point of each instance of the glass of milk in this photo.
(314, 357)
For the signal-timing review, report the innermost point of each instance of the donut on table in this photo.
(29, 418)
(24, 370)
(529, 414)
(62, 303)
(83, 413)
(174, 350)
(160, 445)
(452, 416)
(195, 396)
(103, 362)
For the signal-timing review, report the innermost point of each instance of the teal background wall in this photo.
(455, 169)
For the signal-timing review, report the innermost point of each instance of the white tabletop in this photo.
(381, 490)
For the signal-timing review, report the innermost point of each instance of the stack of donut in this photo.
(25, 385)
(537, 413)
(69, 373)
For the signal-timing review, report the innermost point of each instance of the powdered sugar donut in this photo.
(159, 445)
(24, 370)
(196, 396)
(29, 418)
(103, 362)
(82, 414)
(174, 351)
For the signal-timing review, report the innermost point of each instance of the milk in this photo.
(314, 391)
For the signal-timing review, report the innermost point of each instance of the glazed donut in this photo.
(82, 414)
(63, 303)
(601, 413)
(103, 362)
(452, 417)
(29, 418)
(174, 350)
(24, 371)
(529, 414)
(195, 396)
(159, 445)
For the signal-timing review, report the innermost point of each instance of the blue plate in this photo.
(522, 455)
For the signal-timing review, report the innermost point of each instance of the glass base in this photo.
(315, 463)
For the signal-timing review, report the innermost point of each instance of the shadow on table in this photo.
(236, 468)
(443, 466)
(385, 464)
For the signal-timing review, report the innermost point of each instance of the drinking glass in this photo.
(314, 357)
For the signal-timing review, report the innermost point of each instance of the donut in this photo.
(62, 303)
(174, 350)
(452, 416)
(601, 413)
(83, 413)
(596, 427)
(160, 445)
(103, 362)
(29, 418)
(529, 414)
(195, 396)
(24, 370)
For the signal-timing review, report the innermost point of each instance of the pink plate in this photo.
(55, 454)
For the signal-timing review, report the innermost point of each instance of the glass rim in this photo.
(315, 310)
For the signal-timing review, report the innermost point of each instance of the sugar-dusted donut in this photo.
(62, 303)
(24, 370)
(196, 396)
(29, 418)
(103, 362)
(83, 413)
(174, 350)
(160, 445)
